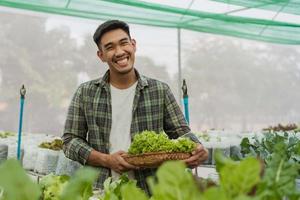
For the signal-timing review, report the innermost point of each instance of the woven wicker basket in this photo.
(153, 160)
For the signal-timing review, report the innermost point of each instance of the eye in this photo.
(109, 48)
(124, 43)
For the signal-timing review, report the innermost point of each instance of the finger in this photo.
(198, 149)
(121, 152)
(126, 164)
(203, 159)
(204, 155)
(196, 160)
(193, 162)
(199, 161)
(124, 154)
(196, 157)
(191, 159)
(129, 166)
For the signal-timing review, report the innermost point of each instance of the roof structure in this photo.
(276, 21)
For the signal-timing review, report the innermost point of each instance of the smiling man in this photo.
(106, 113)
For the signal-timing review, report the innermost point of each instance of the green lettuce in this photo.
(150, 141)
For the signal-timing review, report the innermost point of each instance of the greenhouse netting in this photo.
(149, 13)
(286, 6)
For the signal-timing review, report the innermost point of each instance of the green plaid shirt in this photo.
(89, 119)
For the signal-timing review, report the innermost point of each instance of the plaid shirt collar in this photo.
(104, 81)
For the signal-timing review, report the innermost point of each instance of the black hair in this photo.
(108, 26)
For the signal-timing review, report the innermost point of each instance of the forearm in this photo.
(76, 148)
(97, 158)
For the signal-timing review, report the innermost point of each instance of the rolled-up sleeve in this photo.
(175, 124)
(75, 145)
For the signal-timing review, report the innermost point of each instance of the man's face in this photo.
(118, 50)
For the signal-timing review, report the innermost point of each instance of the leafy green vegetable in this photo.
(112, 189)
(6, 134)
(281, 154)
(129, 191)
(264, 148)
(204, 183)
(52, 186)
(237, 178)
(80, 187)
(280, 127)
(173, 183)
(149, 141)
(222, 161)
(280, 175)
(244, 178)
(56, 145)
(215, 193)
(15, 183)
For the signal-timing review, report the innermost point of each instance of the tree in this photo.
(241, 84)
(38, 59)
(49, 64)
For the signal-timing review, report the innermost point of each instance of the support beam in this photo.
(179, 65)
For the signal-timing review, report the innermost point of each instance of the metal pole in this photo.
(179, 65)
(22, 93)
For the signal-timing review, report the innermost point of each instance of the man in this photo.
(106, 113)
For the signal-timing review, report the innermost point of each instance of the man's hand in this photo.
(118, 164)
(199, 155)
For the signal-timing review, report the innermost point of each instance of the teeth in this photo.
(122, 62)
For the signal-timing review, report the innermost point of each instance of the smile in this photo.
(122, 62)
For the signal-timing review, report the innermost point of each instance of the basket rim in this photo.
(155, 153)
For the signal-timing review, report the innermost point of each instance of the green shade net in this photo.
(284, 6)
(140, 12)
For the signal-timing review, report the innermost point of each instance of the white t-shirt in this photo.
(122, 103)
